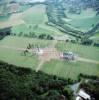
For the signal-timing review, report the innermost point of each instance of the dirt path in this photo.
(49, 53)
(87, 60)
(40, 65)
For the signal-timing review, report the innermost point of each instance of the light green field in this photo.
(69, 69)
(15, 57)
(83, 21)
(89, 52)
(22, 42)
(34, 22)
(84, 24)
(95, 37)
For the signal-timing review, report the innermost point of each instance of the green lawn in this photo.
(34, 22)
(35, 15)
(22, 42)
(69, 69)
(84, 24)
(15, 57)
(25, 29)
(89, 52)
(84, 20)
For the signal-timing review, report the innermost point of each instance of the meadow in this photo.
(84, 21)
(34, 22)
(68, 69)
(88, 52)
(15, 56)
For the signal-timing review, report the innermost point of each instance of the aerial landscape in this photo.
(49, 49)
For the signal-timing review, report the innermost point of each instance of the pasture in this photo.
(15, 56)
(34, 22)
(83, 21)
(88, 52)
(69, 69)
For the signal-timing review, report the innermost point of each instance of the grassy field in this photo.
(22, 42)
(83, 21)
(95, 37)
(69, 69)
(89, 52)
(34, 22)
(15, 57)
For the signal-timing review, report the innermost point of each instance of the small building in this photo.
(40, 52)
(78, 98)
(82, 95)
(68, 56)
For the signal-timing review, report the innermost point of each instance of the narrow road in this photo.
(40, 65)
(49, 53)
(87, 60)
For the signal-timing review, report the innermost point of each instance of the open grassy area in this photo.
(69, 69)
(35, 15)
(89, 52)
(84, 20)
(34, 22)
(15, 57)
(95, 37)
(22, 42)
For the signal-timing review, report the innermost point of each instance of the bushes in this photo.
(44, 36)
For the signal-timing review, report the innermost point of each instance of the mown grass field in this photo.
(34, 21)
(15, 57)
(88, 52)
(84, 20)
(22, 42)
(69, 69)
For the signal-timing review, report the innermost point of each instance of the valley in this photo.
(55, 37)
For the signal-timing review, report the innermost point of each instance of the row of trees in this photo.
(33, 35)
(4, 32)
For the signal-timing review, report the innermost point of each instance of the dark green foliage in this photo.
(86, 41)
(44, 36)
(4, 32)
(17, 83)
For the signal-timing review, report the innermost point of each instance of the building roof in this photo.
(78, 98)
(84, 95)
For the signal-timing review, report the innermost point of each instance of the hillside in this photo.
(25, 84)
(49, 49)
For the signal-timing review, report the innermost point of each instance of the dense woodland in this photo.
(18, 83)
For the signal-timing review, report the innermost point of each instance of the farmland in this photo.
(69, 69)
(34, 22)
(84, 20)
(37, 19)
(89, 52)
(15, 56)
